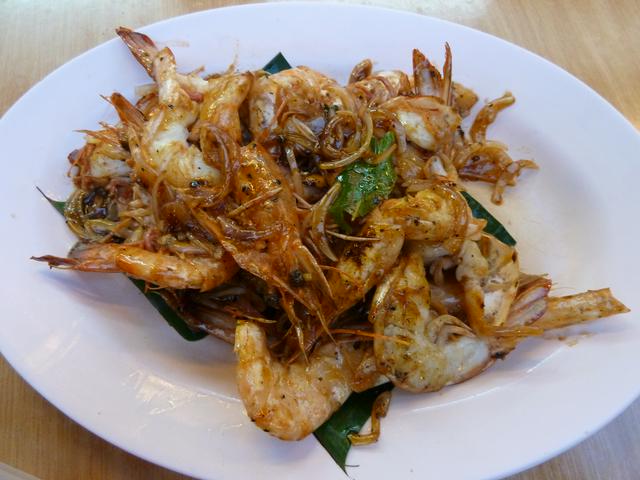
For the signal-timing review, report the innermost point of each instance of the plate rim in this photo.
(22, 369)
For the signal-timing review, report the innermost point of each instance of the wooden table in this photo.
(597, 41)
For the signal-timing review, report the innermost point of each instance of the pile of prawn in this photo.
(216, 190)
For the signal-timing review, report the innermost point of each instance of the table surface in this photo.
(598, 42)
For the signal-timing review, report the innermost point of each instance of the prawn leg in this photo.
(141, 46)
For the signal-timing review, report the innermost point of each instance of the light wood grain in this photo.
(599, 42)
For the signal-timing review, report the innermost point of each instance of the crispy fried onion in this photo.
(346, 138)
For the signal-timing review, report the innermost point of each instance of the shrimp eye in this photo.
(272, 300)
(296, 278)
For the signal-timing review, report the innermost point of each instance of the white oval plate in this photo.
(96, 349)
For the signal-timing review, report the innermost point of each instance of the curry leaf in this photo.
(348, 419)
(168, 313)
(494, 227)
(277, 64)
(363, 186)
(379, 145)
(58, 205)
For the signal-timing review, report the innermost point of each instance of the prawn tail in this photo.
(141, 46)
(447, 84)
(426, 77)
(127, 112)
(582, 307)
